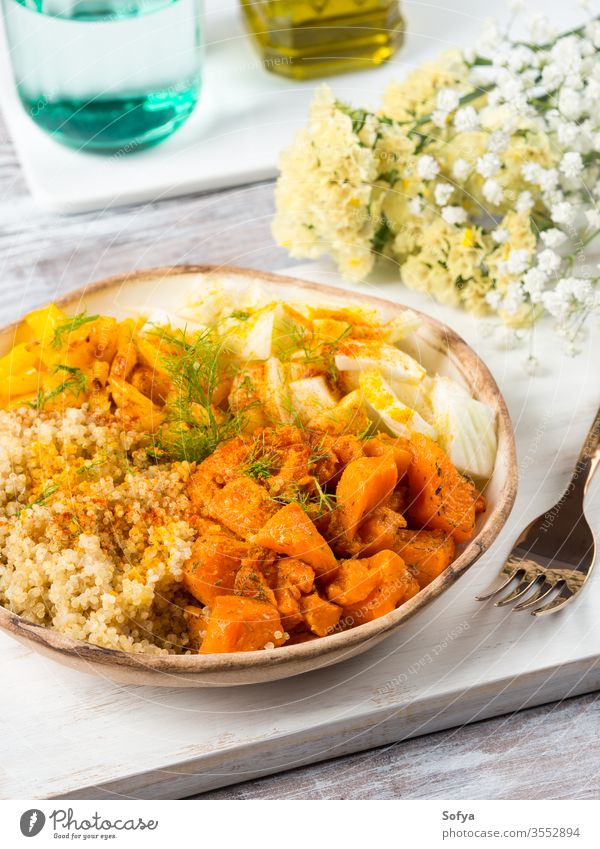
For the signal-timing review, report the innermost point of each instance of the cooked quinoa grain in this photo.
(92, 538)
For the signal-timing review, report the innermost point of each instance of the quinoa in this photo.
(93, 537)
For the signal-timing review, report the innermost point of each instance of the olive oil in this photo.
(304, 39)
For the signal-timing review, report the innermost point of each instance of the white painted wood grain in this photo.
(458, 661)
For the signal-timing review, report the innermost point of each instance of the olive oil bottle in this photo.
(304, 39)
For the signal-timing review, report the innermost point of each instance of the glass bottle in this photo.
(106, 75)
(304, 39)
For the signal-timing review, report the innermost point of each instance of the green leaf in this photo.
(383, 237)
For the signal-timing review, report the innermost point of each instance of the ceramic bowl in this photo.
(440, 350)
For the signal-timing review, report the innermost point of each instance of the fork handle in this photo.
(587, 462)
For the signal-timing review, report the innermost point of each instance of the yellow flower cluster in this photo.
(442, 193)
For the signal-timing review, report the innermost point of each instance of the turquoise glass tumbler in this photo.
(106, 75)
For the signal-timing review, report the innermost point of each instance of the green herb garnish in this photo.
(316, 503)
(261, 463)
(306, 348)
(76, 383)
(194, 428)
(47, 492)
(69, 326)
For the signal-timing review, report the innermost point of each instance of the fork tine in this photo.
(564, 597)
(544, 591)
(504, 582)
(523, 587)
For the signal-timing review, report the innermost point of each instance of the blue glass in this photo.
(106, 75)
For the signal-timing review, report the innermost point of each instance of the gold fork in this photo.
(555, 554)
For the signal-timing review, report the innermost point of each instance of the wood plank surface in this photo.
(542, 753)
(42, 255)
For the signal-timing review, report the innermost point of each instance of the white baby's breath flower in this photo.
(570, 103)
(571, 164)
(563, 213)
(592, 32)
(570, 293)
(490, 37)
(540, 28)
(415, 205)
(547, 179)
(553, 238)
(454, 214)
(583, 291)
(494, 299)
(518, 260)
(427, 167)
(519, 58)
(567, 54)
(593, 218)
(466, 120)
(439, 118)
(447, 100)
(461, 169)
(567, 132)
(488, 165)
(524, 202)
(500, 235)
(442, 193)
(493, 192)
(530, 171)
(556, 303)
(498, 141)
(513, 299)
(534, 282)
(549, 261)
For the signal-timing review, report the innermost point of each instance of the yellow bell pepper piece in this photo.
(43, 322)
(23, 333)
(17, 384)
(20, 359)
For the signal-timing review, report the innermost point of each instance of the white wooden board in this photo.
(244, 119)
(65, 734)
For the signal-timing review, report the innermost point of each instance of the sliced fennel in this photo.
(467, 428)
(348, 416)
(311, 397)
(274, 392)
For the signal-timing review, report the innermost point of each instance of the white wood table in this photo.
(60, 734)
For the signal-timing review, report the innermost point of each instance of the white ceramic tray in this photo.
(71, 735)
(245, 118)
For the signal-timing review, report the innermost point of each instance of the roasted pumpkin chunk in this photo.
(400, 449)
(291, 532)
(396, 584)
(354, 581)
(243, 506)
(213, 565)
(320, 615)
(250, 582)
(379, 531)
(241, 624)
(293, 579)
(427, 553)
(364, 484)
(440, 497)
